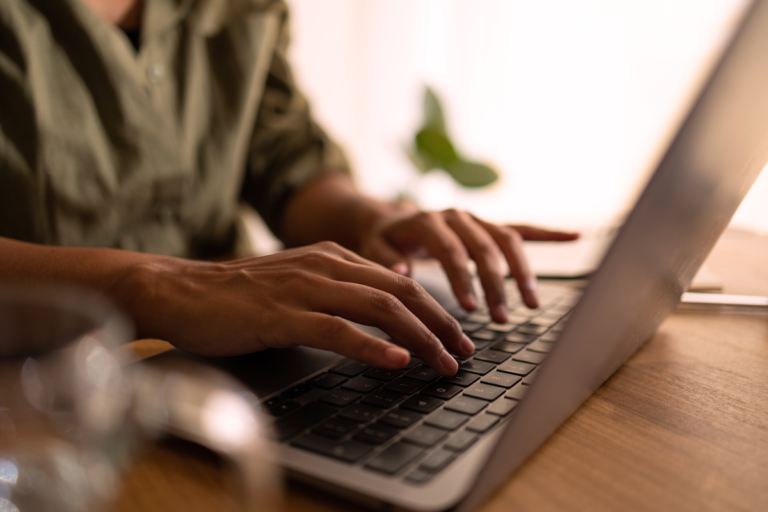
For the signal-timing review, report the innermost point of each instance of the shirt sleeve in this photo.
(288, 149)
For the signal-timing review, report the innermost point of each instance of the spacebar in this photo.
(394, 458)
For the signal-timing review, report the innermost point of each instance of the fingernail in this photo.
(448, 362)
(467, 346)
(397, 356)
(400, 268)
(500, 313)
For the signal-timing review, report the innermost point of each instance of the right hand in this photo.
(292, 298)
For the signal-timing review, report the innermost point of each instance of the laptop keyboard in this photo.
(412, 423)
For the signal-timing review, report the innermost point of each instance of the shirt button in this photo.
(155, 73)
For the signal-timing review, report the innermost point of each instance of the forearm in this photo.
(109, 271)
(332, 209)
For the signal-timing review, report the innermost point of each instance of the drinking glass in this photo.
(65, 428)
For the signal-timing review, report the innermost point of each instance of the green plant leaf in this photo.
(433, 111)
(436, 146)
(471, 174)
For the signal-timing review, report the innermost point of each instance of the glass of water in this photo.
(65, 428)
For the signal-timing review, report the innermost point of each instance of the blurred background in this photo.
(572, 102)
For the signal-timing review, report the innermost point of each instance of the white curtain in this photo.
(571, 100)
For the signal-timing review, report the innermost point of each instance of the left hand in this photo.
(453, 236)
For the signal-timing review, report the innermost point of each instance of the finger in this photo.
(485, 251)
(511, 244)
(321, 331)
(417, 301)
(429, 230)
(540, 234)
(377, 308)
(382, 252)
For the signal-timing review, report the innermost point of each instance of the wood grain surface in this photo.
(683, 425)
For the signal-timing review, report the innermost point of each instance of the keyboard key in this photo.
(282, 407)
(311, 395)
(461, 378)
(519, 337)
(336, 428)
(529, 379)
(404, 386)
(503, 328)
(480, 318)
(394, 458)
(502, 407)
(466, 405)
(470, 327)
(415, 361)
(517, 368)
(437, 460)
(425, 435)
(484, 335)
(421, 403)
(517, 392)
(505, 380)
(440, 390)
(296, 391)
(540, 346)
(492, 356)
(362, 384)
(550, 337)
(361, 413)
(401, 418)
(446, 420)
(418, 476)
(376, 434)
(462, 440)
(508, 346)
(483, 423)
(479, 367)
(383, 398)
(484, 392)
(327, 380)
(303, 418)
(382, 374)
(423, 373)
(347, 451)
(532, 329)
(530, 357)
(480, 345)
(350, 368)
(340, 397)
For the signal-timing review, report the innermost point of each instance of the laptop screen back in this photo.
(708, 169)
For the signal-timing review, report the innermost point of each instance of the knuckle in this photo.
(426, 217)
(410, 288)
(385, 301)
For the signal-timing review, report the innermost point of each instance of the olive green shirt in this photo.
(150, 151)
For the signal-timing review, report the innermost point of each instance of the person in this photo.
(122, 165)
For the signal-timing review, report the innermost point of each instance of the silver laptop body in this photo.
(689, 201)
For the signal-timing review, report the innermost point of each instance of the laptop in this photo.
(410, 440)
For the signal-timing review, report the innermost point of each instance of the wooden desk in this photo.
(683, 425)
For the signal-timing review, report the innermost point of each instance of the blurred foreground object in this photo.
(64, 400)
(433, 149)
(197, 403)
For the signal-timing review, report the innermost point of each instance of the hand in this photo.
(454, 236)
(293, 298)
